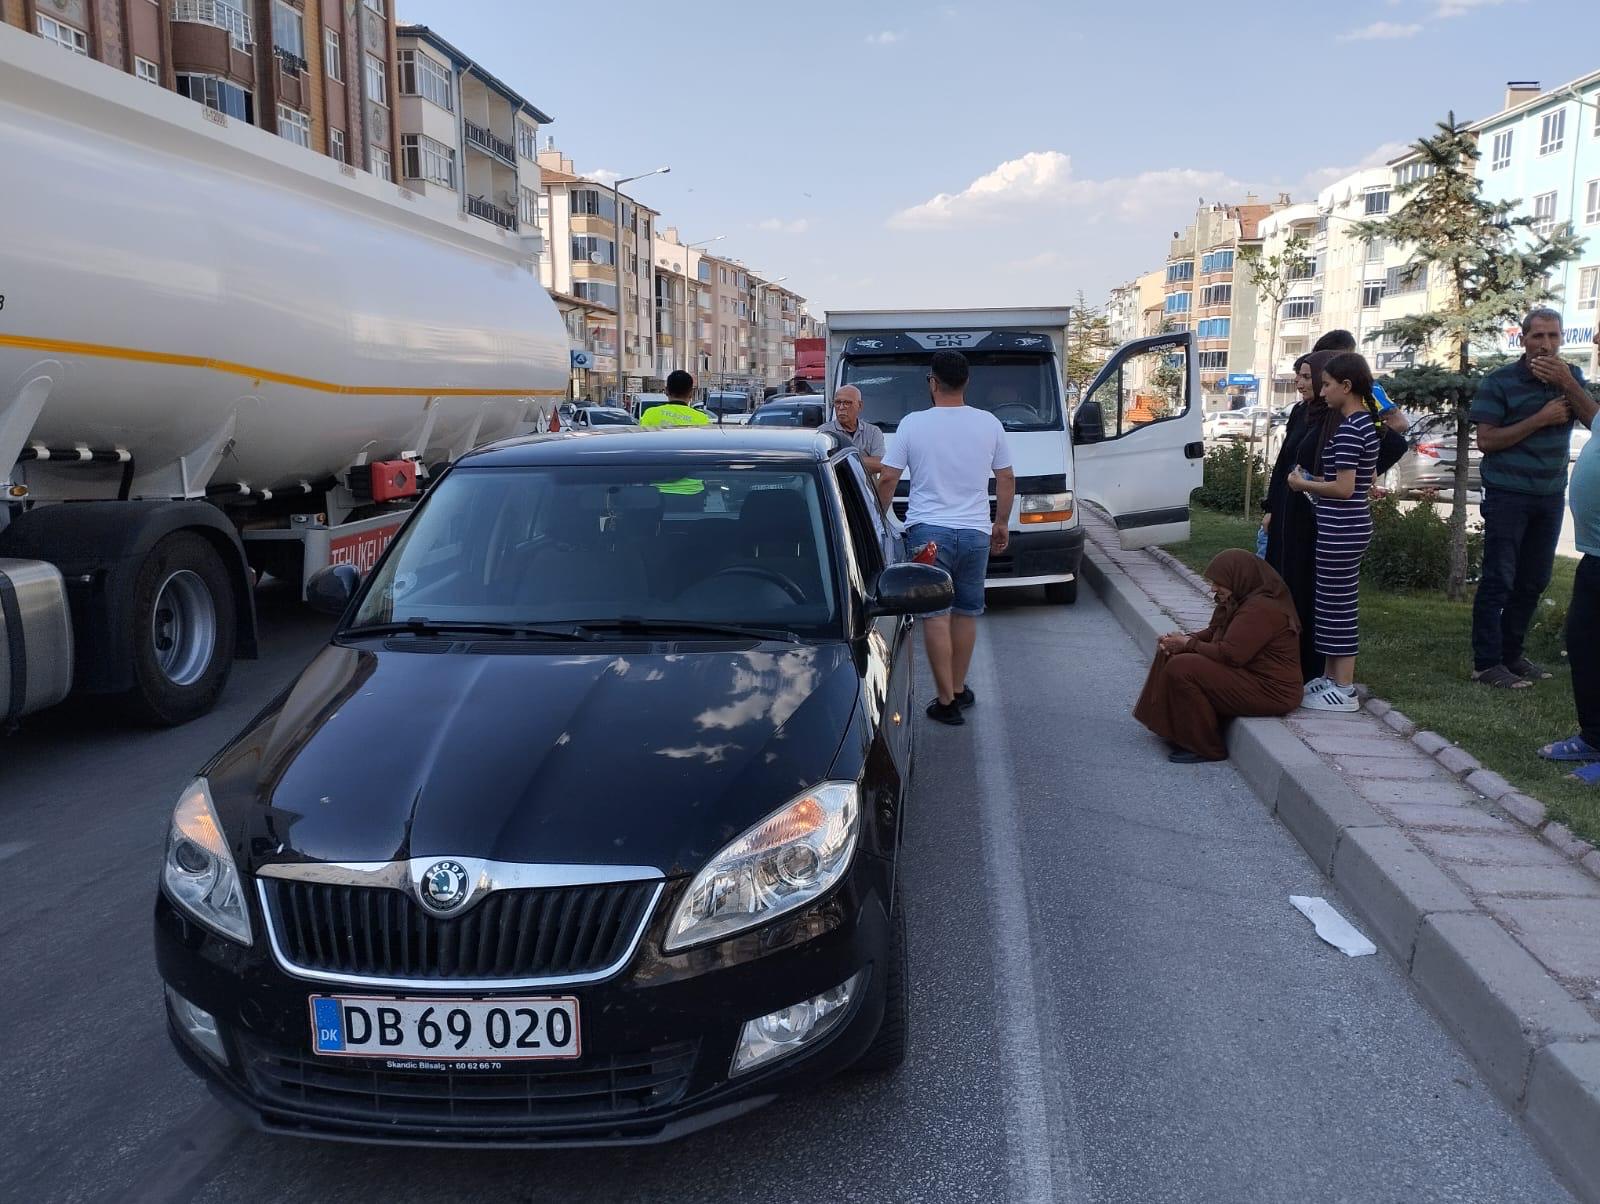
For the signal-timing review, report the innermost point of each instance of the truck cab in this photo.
(1132, 445)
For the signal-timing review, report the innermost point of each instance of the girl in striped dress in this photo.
(1344, 526)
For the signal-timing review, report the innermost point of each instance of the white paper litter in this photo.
(1333, 927)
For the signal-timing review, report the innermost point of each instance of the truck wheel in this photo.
(1062, 593)
(888, 1048)
(183, 631)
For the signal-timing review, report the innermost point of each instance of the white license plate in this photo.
(446, 1030)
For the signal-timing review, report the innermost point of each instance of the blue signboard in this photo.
(1242, 378)
(582, 359)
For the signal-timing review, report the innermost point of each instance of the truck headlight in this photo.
(198, 872)
(1046, 507)
(784, 862)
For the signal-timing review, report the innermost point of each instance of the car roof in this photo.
(696, 444)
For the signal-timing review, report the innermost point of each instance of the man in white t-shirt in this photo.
(950, 452)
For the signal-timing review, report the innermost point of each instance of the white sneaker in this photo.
(1316, 684)
(1331, 698)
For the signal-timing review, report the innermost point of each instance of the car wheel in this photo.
(1062, 593)
(888, 1048)
(183, 629)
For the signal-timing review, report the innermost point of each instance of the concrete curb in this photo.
(1535, 1045)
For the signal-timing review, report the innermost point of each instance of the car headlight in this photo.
(198, 872)
(784, 862)
(1046, 507)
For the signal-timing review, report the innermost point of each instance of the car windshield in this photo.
(788, 415)
(610, 545)
(727, 403)
(1020, 390)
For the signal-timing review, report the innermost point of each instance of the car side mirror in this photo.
(911, 589)
(1088, 424)
(329, 590)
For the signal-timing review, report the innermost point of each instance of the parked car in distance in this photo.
(792, 410)
(1237, 424)
(727, 408)
(584, 826)
(1430, 459)
(588, 417)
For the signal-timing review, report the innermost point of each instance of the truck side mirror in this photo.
(329, 590)
(1088, 424)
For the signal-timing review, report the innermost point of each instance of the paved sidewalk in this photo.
(1494, 913)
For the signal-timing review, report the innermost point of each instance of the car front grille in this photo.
(608, 1088)
(380, 933)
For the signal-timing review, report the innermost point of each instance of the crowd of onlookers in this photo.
(1286, 628)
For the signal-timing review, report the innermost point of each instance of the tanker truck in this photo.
(221, 355)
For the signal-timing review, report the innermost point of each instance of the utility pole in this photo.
(622, 321)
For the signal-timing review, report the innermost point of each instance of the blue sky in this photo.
(965, 153)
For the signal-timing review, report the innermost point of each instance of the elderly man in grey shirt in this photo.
(847, 423)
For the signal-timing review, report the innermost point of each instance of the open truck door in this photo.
(1138, 451)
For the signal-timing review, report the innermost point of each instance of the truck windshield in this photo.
(1018, 389)
(727, 403)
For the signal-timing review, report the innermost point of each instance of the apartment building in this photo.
(1276, 349)
(591, 252)
(682, 329)
(776, 313)
(317, 72)
(1543, 150)
(1201, 295)
(733, 355)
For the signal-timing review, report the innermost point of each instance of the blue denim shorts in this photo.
(962, 554)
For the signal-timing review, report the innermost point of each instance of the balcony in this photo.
(486, 141)
(291, 62)
(503, 218)
(220, 15)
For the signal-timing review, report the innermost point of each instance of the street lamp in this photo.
(622, 321)
(687, 316)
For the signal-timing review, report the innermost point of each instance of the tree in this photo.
(1494, 267)
(1089, 345)
(1271, 277)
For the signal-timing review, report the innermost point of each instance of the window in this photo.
(592, 202)
(381, 165)
(1544, 213)
(705, 276)
(1375, 249)
(1213, 328)
(586, 248)
(1216, 261)
(421, 158)
(332, 56)
(288, 30)
(294, 125)
(1177, 272)
(1553, 132)
(1213, 359)
(1303, 268)
(1298, 309)
(1501, 158)
(1376, 201)
(1406, 279)
(1216, 294)
(597, 291)
(1372, 294)
(421, 76)
(147, 71)
(527, 140)
(63, 35)
(1591, 204)
(1410, 173)
(218, 94)
(1588, 288)
(1177, 303)
(527, 206)
(377, 81)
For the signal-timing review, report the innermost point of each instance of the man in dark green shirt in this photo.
(1524, 413)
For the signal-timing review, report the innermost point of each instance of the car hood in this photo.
(652, 755)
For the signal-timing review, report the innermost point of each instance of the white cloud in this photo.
(1318, 179)
(605, 176)
(1381, 31)
(1460, 8)
(1037, 263)
(778, 226)
(1044, 180)
(886, 37)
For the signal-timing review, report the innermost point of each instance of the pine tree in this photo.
(1495, 268)
(1089, 345)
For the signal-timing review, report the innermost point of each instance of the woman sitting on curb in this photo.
(1247, 662)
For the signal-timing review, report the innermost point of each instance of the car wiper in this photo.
(631, 624)
(422, 626)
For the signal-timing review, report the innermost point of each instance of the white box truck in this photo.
(1132, 446)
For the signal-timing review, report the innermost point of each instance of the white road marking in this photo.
(1041, 1116)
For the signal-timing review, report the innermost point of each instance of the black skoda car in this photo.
(583, 827)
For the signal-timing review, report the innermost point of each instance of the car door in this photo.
(1145, 455)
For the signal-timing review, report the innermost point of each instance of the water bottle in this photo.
(1261, 542)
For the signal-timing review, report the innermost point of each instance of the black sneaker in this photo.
(946, 712)
(966, 698)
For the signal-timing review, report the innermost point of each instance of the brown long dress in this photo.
(1247, 662)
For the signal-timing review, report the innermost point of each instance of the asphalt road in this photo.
(1113, 999)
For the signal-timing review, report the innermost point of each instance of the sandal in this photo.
(1589, 775)
(1500, 678)
(1525, 668)
(1573, 748)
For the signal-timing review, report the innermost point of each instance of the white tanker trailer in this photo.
(220, 354)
